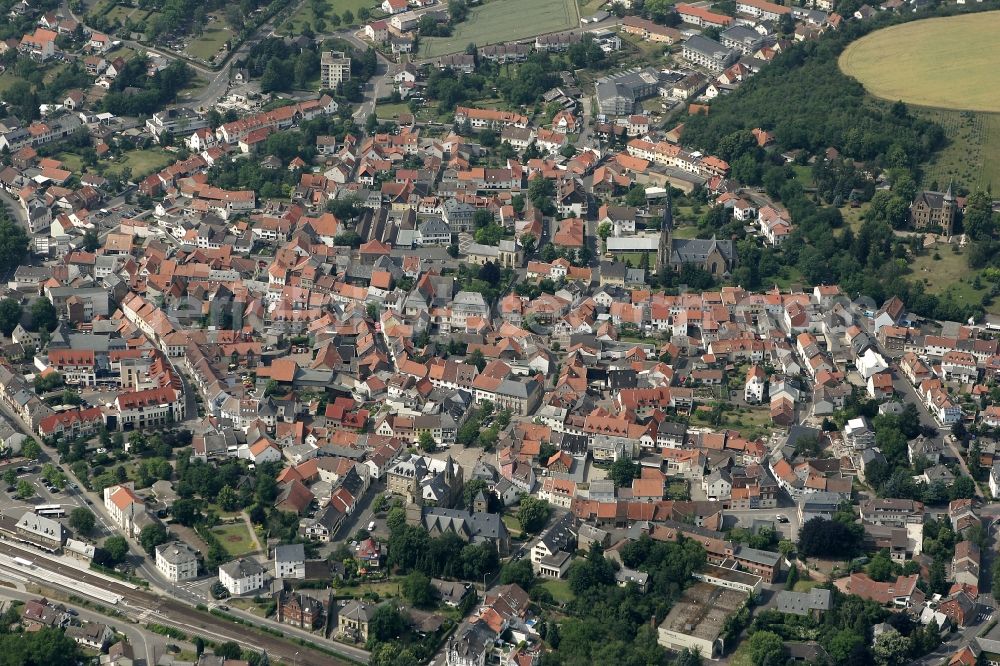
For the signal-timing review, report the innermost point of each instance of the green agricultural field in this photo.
(971, 158)
(503, 21)
(947, 63)
(235, 538)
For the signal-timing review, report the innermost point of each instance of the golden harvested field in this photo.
(950, 63)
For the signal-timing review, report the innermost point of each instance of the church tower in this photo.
(666, 237)
(948, 211)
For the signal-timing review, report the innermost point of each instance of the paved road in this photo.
(583, 140)
(15, 209)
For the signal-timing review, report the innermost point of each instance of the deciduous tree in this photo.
(533, 514)
(82, 520)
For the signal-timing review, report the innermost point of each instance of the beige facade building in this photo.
(335, 68)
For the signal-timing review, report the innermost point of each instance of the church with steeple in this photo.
(713, 256)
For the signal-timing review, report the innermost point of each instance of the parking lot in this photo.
(68, 497)
(45, 493)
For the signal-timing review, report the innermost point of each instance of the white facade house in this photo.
(753, 390)
(870, 363)
(717, 485)
(241, 576)
(177, 561)
(290, 561)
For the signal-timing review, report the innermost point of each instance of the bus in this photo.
(24, 563)
(50, 510)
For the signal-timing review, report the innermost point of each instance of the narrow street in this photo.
(902, 386)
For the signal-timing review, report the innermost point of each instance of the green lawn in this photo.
(653, 104)
(686, 232)
(392, 110)
(752, 422)
(678, 490)
(505, 20)
(122, 51)
(100, 8)
(7, 79)
(248, 605)
(513, 524)
(72, 162)
(588, 7)
(208, 44)
(120, 13)
(789, 275)
(949, 276)
(141, 162)
(235, 538)
(305, 15)
(389, 588)
(852, 216)
(803, 174)
(805, 585)
(650, 50)
(560, 590)
(635, 258)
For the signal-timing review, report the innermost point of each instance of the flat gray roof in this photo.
(702, 611)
